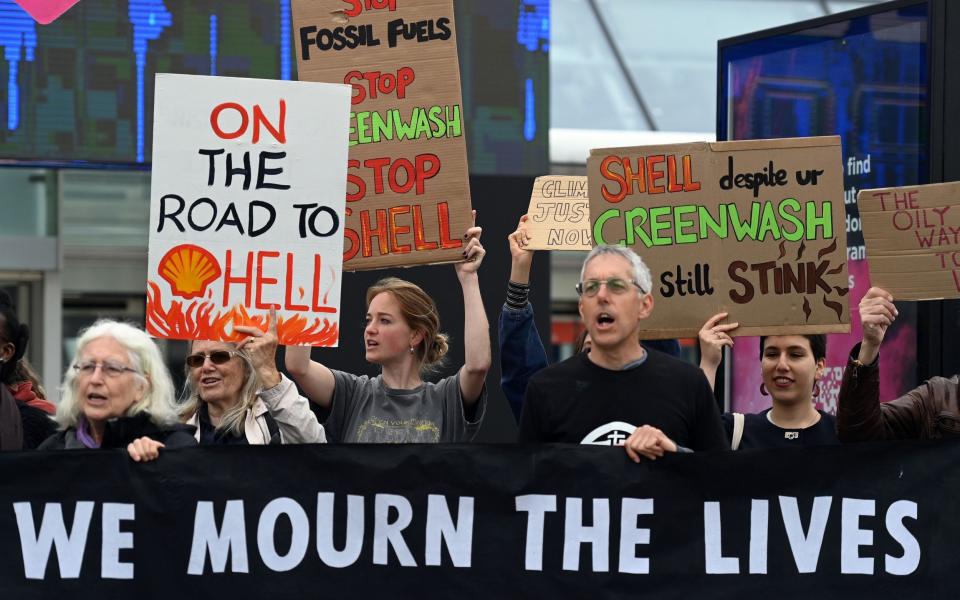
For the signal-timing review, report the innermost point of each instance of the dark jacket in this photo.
(11, 425)
(931, 411)
(120, 432)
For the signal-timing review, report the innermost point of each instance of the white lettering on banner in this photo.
(115, 540)
(440, 528)
(575, 533)
(299, 540)
(717, 563)
(353, 543)
(807, 545)
(386, 533)
(910, 560)
(230, 540)
(536, 506)
(853, 537)
(597, 535)
(53, 532)
(759, 520)
(631, 535)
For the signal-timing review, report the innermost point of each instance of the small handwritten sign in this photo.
(913, 239)
(246, 208)
(559, 213)
(753, 228)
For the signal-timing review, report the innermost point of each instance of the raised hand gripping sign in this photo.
(246, 208)
(753, 228)
(408, 194)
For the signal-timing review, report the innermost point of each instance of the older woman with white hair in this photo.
(236, 395)
(118, 393)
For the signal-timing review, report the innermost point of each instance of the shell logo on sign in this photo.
(189, 269)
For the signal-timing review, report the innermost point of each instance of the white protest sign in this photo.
(247, 207)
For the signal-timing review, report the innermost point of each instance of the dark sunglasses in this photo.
(217, 357)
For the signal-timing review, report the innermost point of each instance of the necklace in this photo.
(793, 432)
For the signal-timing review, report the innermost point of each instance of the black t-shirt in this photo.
(759, 432)
(576, 401)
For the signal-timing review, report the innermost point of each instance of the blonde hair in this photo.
(420, 313)
(233, 418)
(145, 357)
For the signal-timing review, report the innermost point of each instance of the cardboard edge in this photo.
(822, 141)
(753, 330)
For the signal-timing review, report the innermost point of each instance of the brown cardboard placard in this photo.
(408, 194)
(752, 228)
(559, 214)
(912, 234)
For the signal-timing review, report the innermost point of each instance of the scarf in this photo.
(23, 393)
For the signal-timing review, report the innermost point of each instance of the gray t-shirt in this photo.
(364, 410)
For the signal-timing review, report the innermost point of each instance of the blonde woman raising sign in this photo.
(403, 336)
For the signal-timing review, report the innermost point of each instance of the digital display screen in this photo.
(79, 92)
(866, 80)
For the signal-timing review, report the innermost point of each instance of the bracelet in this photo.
(517, 295)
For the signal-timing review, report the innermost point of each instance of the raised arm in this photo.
(521, 351)
(713, 337)
(859, 414)
(314, 379)
(476, 329)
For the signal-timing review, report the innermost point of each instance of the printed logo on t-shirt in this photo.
(614, 433)
(407, 431)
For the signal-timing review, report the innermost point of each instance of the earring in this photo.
(816, 389)
(411, 349)
(763, 390)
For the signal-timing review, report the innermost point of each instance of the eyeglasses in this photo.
(615, 285)
(217, 357)
(110, 369)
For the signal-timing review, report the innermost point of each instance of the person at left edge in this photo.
(24, 410)
(117, 393)
(619, 393)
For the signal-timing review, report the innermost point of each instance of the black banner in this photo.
(470, 521)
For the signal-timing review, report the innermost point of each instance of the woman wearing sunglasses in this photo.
(118, 393)
(403, 336)
(235, 395)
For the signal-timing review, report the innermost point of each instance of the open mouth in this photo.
(605, 320)
(209, 380)
(372, 344)
(96, 399)
(783, 381)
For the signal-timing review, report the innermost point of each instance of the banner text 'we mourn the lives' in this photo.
(857, 520)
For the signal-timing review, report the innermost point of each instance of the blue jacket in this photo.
(521, 354)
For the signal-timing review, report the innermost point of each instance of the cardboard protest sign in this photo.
(752, 228)
(408, 195)
(912, 235)
(246, 208)
(559, 214)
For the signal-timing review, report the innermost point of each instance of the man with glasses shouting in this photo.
(619, 393)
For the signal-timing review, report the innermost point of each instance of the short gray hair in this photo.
(144, 356)
(641, 273)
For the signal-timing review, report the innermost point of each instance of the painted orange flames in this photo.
(198, 321)
(189, 270)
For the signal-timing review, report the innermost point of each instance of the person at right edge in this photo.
(930, 411)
